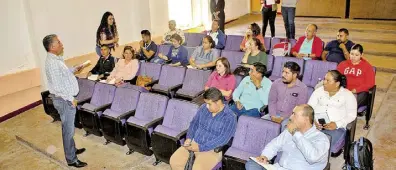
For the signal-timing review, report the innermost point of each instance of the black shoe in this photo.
(336, 154)
(80, 151)
(78, 164)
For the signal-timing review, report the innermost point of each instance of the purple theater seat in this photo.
(194, 39)
(171, 79)
(149, 113)
(164, 49)
(112, 120)
(194, 83)
(152, 70)
(267, 43)
(270, 62)
(234, 57)
(190, 52)
(315, 70)
(238, 80)
(278, 66)
(86, 90)
(233, 42)
(277, 40)
(251, 136)
(169, 136)
(90, 113)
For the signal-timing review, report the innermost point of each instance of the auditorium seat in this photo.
(90, 113)
(193, 84)
(138, 128)
(170, 80)
(251, 136)
(113, 120)
(234, 57)
(190, 52)
(278, 66)
(147, 69)
(169, 136)
(194, 39)
(367, 110)
(233, 42)
(315, 71)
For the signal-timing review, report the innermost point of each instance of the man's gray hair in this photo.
(172, 21)
(309, 112)
(48, 40)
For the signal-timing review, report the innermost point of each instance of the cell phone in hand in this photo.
(322, 121)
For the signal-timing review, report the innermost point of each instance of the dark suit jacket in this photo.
(217, 7)
(104, 66)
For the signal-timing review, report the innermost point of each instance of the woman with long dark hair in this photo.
(107, 33)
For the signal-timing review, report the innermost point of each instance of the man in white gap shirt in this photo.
(302, 146)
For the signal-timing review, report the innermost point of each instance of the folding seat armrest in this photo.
(225, 147)
(80, 102)
(181, 135)
(103, 107)
(126, 115)
(151, 83)
(154, 122)
(176, 87)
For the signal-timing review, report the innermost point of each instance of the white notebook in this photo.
(93, 77)
(266, 166)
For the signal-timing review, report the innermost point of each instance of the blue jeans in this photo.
(283, 123)
(67, 114)
(251, 112)
(337, 139)
(251, 165)
(289, 13)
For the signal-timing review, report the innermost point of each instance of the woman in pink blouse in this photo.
(126, 68)
(222, 78)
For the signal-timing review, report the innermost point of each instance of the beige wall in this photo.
(322, 8)
(373, 9)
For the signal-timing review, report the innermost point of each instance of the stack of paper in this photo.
(266, 166)
(93, 77)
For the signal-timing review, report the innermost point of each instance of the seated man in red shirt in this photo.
(309, 46)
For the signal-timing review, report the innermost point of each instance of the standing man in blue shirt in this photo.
(212, 127)
(64, 86)
(302, 146)
(252, 92)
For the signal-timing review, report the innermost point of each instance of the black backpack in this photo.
(360, 156)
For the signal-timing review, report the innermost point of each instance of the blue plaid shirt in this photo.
(211, 132)
(61, 80)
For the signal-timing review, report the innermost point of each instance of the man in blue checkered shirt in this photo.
(64, 86)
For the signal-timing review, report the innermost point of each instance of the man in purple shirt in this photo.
(285, 94)
(212, 127)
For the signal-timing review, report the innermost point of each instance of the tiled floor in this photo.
(42, 136)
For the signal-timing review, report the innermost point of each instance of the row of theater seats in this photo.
(233, 42)
(130, 115)
(154, 124)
